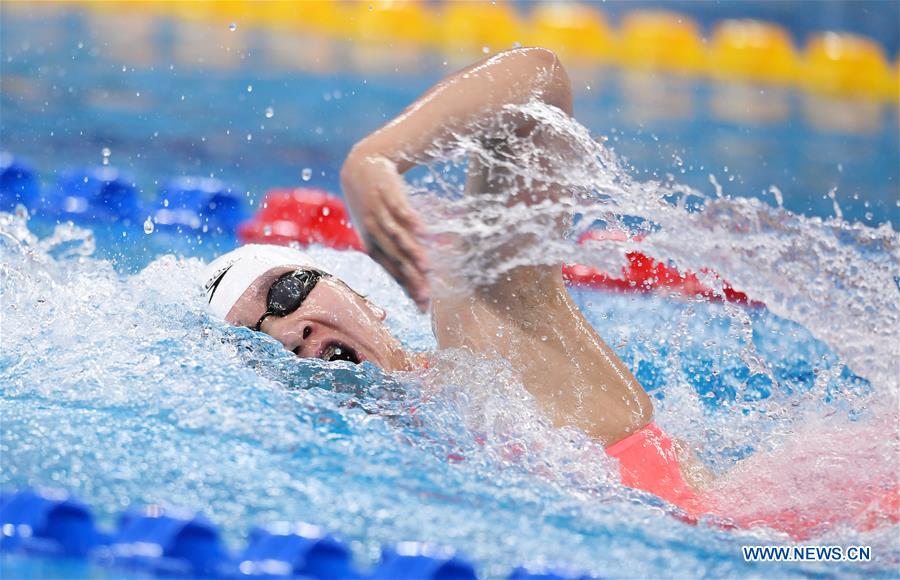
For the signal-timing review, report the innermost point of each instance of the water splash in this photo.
(828, 280)
(181, 408)
(137, 395)
(834, 278)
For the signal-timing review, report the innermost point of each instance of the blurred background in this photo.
(792, 101)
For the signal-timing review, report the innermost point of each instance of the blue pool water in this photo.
(119, 386)
(183, 409)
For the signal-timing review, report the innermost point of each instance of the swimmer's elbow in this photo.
(552, 80)
(562, 88)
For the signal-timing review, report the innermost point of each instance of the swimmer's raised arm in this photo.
(371, 175)
(526, 315)
(449, 109)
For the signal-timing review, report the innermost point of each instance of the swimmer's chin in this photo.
(392, 358)
(396, 361)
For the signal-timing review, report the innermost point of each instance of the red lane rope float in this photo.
(312, 216)
(303, 215)
(644, 274)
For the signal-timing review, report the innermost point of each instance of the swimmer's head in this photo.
(312, 313)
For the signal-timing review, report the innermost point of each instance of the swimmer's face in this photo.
(332, 323)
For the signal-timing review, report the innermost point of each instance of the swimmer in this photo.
(526, 316)
(574, 375)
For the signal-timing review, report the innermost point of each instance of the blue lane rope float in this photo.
(412, 560)
(295, 550)
(18, 183)
(199, 205)
(48, 523)
(92, 194)
(166, 542)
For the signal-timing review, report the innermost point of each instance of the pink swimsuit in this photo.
(648, 461)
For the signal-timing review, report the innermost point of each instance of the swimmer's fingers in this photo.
(412, 282)
(401, 265)
(395, 229)
(403, 212)
(406, 251)
(393, 193)
(401, 223)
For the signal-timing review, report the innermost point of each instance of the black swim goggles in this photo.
(289, 291)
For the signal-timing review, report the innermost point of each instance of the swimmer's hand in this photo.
(390, 228)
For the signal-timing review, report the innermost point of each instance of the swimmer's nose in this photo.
(307, 332)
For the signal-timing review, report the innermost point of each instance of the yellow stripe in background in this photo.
(753, 50)
(848, 64)
(832, 63)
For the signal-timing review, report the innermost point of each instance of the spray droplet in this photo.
(148, 226)
(837, 209)
(249, 137)
(485, 49)
(270, 112)
(232, 27)
(105, 152)
(249, 88)
(306, 174)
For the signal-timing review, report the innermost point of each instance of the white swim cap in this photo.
(227, 277)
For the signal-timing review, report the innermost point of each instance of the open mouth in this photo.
(338, 351)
